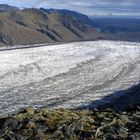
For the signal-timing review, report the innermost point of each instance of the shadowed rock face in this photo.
(32, 26)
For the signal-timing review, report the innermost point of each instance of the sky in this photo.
(89, 7)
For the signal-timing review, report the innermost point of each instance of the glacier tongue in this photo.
(67, 75)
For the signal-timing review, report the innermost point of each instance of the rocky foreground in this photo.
(63, 124)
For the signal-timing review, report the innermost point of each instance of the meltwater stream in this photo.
(67, 75)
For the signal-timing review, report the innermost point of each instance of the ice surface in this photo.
(67, 75)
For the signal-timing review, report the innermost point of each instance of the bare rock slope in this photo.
(34, 26)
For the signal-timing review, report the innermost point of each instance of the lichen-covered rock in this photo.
(63, 124)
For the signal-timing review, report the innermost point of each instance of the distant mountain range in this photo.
(117, 24)
(5, 7)
(37, 26)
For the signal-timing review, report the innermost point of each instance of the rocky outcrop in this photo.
(63, 124)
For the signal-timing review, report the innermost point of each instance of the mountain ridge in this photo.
(51, 25)
(38, 26)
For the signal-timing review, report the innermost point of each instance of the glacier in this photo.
(66, 75)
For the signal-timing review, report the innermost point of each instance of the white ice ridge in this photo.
(67, 75)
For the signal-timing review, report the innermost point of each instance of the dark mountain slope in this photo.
(47, 25)
(66, 13)
(79, 24)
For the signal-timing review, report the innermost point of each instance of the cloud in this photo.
(90, 7)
